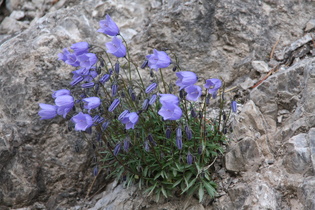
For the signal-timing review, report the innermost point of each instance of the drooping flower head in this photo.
(193, 92)
(159, 59)
(169, 98)
(116, 47)
(80, 48)
(108, 26)
(83, 74)
(64, 103)
(170, 111)
(69, 58)
(91, 102)
(213, 85)
(185, 79)
(82, 121)
(130, 120)
(47, 111)
(60, 92)
(87, 60)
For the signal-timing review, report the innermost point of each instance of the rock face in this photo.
(270, 161)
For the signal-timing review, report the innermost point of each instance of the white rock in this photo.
(260, 66)
(17, 14)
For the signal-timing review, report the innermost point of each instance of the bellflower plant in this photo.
(144, 129)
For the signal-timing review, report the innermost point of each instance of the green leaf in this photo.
(189, 185)
(158, 175)
(211, 191)
(177, 182)
(164, 192)
(145, 171)
(201, 192)
(150, 189)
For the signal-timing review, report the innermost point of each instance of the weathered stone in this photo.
(298, 158)
(260, 66)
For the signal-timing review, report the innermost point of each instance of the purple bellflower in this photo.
(170, 111)
(82, 121)
(69, 58)
(108, 26)
(179, 138)
(193, 92)
(213, 85)
(117, 149)
(190, 158)
(91, 103)
(159, 59)
(80, 48)
(86, 74)
(47, 111)
(185, 79)
(123, 114)
(60, 92)
(169, 98)
(130, 120)
(87, 60)
(64, 103)
(116, 47)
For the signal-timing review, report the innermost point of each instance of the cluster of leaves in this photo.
(166, 146)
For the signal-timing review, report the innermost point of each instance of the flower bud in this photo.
(117, 67)
(200, 150)
(89, 130)
(150, 88)
(145, 104)
(179, 141)
(95, 170)
(133, 96)
(114, 89)
(174, 68)
(144, 64)
(76, 81)
(117, 149)
(114, 104)
(151, 73)
(188, 132)
(98, 137)
(168, 133)
(224, 115)
(104, 78)
(152, 99)
(190, 158)
(87, 85)
(105, 125)
(123, 114)
(234, 106)
(193, 113)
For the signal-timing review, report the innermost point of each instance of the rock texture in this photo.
(270, 160)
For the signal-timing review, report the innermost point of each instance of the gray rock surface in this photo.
(270, 160)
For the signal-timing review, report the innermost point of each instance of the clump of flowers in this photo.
(145, 132)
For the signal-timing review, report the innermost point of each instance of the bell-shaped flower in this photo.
(117, 149)
(130, 120)
(91, 103)
(69, 58)
(189, 158)
(116, 47)
(185, 79)
(193, 92)
(213, 85)
(170, 111)
(82, 121)
(80, 48)
(84, 74)
(169, 98)
(150, 88)
(159, 59)
(47, 111)
(60, 92)
(108, 26)
(64, 103)
(87, 60)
